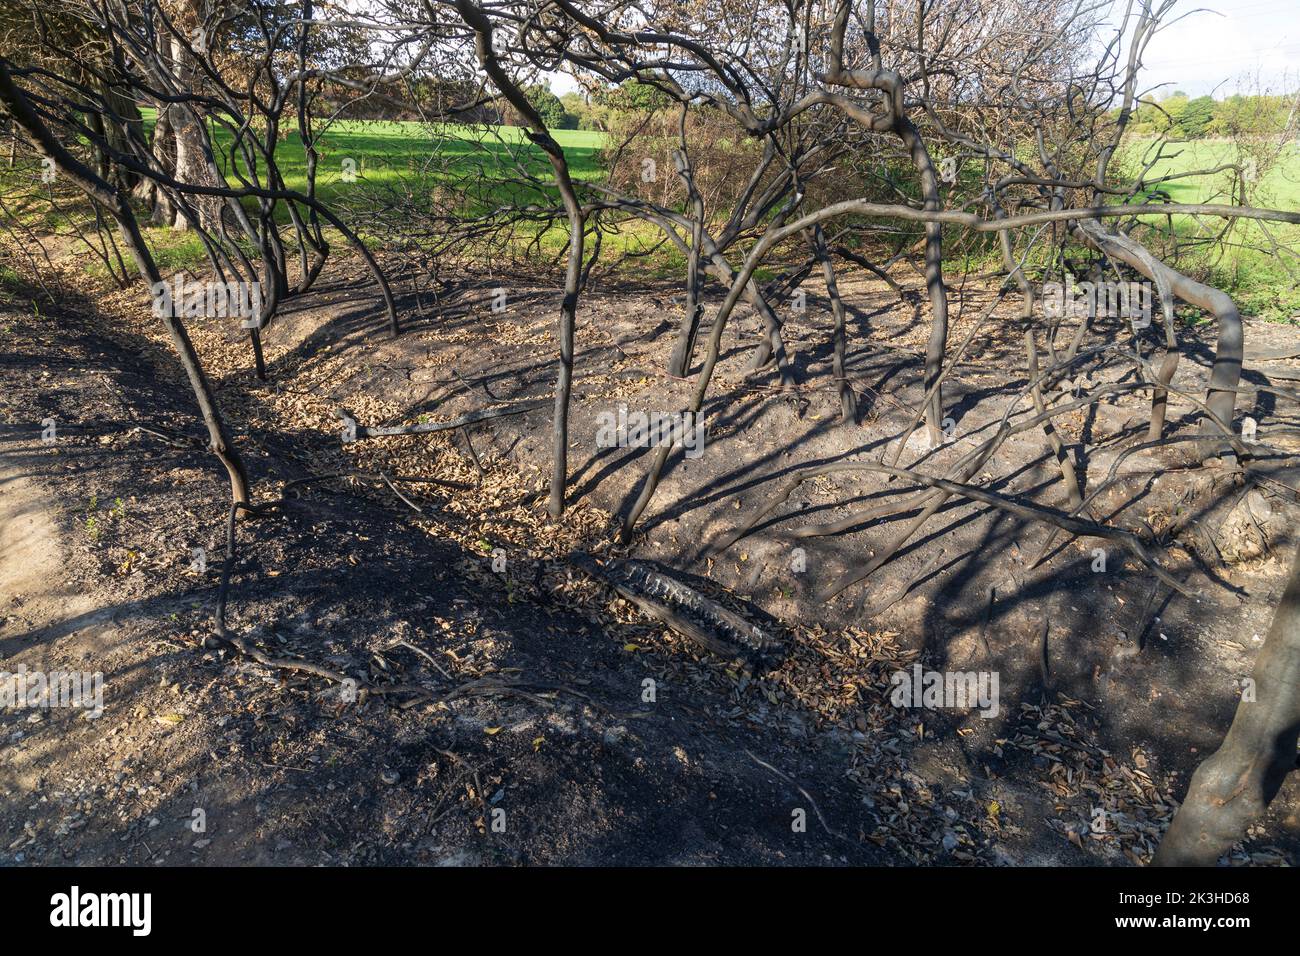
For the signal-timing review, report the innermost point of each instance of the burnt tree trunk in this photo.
(1235, 785)
(538, 133)
(20, 108)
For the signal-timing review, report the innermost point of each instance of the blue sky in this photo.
(1212, 52)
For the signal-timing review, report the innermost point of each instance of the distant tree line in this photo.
(602, 109)
(1178, 116)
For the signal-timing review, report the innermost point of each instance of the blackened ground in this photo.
(201, 757)
(579, 765)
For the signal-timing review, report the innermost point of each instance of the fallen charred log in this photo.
(684, 609)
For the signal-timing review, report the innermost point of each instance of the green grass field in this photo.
(484, 166)
(1257, 278)
(1279, 187)
(383, 152)
(409, 156)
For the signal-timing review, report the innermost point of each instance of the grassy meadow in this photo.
(386, 152)
(483, 166)
(1247, 267)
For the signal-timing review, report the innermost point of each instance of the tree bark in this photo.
(1235, 785)
(194, 163)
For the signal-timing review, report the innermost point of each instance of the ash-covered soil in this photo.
(535, 737)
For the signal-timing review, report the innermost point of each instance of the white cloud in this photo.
(1215, 51)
